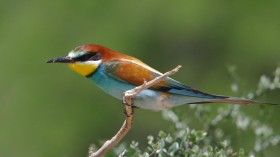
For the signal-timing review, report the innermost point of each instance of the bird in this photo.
(115, 73)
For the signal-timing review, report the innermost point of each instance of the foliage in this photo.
(210, 141)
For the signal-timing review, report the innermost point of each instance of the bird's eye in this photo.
(95, 57)
(88, 57)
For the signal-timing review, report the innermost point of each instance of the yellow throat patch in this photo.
(83, 69)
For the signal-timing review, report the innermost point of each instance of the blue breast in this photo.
(108, 84)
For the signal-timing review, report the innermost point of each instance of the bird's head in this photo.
(84, 59)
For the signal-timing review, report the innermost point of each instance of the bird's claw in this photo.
(129, 114)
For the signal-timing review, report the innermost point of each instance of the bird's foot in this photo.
(128, 114)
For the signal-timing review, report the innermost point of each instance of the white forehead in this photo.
(73, 54)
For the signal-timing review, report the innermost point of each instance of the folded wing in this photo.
(136, 72)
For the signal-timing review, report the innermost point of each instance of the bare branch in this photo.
(128, 100)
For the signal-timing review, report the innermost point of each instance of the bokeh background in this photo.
(47, 110)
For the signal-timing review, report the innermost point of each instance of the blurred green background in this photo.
(49, 111)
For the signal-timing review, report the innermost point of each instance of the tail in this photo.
(240, 101)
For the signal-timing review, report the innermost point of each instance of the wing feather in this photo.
(136, 72)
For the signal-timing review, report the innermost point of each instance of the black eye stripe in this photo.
(88, 56)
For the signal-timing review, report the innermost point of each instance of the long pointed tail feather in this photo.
(239, 101)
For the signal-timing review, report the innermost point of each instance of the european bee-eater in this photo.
(116, 73)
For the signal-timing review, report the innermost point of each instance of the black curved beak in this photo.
(61, 60)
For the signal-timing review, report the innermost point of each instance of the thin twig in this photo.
(128, 100)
